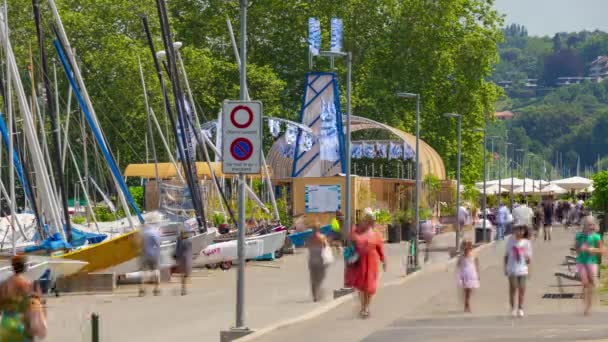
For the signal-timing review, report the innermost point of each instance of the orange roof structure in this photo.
(506, 115)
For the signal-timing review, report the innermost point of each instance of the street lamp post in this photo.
(459, 117)
(492, 169)
(523, 168)
(347, 181)
(484, 202)
(417, 193)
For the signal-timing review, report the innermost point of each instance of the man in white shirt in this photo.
(502, 219)
(463, 216)
(523, 216)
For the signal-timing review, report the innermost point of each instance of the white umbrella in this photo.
(573, 183)
(529, 190)
(495, 190)
(553, 189)
(506, 183)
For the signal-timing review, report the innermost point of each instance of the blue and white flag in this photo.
(395, 151)
(275, 127)
(408, 153)
(368, 151)
(381, 150)
(287, 150)
(291, 134)
(314, 36)
(328, 137)
(337, 29)
(306, 142)
(356, 152)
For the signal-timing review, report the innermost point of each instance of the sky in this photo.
(547, 17)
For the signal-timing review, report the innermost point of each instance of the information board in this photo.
(322, 198)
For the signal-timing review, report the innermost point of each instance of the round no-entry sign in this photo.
(241, 116)
(241, 149)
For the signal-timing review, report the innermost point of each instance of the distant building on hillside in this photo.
(505, 84)
(564, 81)
(599, 68)
(506, 115)
(532, 83)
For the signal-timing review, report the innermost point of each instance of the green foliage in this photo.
(79, 219)
(445, 50)
(137, 192)
(600, 194)
(103, 214)
(218, 218)
(284, 213)
(471, 194)
(384, 217)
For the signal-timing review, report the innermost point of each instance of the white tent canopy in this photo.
(495, 190)
(574, 183)
(528, 190)
(553, 189)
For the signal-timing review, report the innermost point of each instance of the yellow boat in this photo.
(107, 254)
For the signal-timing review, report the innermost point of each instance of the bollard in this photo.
(95, 327)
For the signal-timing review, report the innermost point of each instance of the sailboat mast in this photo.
(11, 166)
(181, 113)
(53, 116)
(150, 131)
(87, 107)
(184, 155)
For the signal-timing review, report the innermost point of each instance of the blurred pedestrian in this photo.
(337, 222)
(463, 216)
(589, 246)
(183, 257)
(517, 260)
(317, 261)
(502, 218)
(20, 305)
(468, 272)
(547, 220)
(428, 230)
(150, 258)
(363, 274)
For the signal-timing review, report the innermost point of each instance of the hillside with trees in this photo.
(560, 124)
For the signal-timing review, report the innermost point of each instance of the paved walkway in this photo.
(429, 307)
(275, 291)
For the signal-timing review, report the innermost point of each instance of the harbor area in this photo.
(276, 291)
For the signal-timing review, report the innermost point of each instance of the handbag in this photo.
(36, 319)
(327, 255)
(350, 255)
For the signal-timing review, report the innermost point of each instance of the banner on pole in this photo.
(337, 28)
(314, 36)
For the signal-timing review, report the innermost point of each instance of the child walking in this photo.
(468, 272)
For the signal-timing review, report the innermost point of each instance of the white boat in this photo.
(34, 271)
(199, 242)
(255, 246)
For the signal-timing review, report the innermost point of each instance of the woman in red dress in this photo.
(363, 275)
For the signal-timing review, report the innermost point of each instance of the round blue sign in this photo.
(241, 149)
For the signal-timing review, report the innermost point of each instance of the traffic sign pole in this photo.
(240, 282)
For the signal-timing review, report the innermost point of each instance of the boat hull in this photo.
(199, 242)
(107, 254)
(255, 246)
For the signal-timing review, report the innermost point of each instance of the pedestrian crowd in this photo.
(364, 251)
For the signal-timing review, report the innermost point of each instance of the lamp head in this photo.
(177, 45)
(161, 54)
(451, 115)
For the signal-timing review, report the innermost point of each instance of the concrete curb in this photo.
(433, 268)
